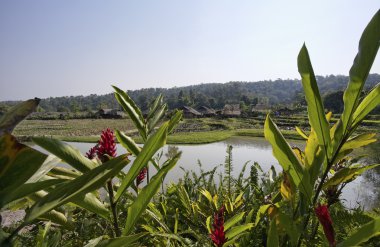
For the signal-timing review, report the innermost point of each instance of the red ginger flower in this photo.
(217, 234)
(141, 176)
(92, 152)
(324, 218)
(106, 145)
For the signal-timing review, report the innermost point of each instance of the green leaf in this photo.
(42, 234)
(358, 141)
(368, 47)
(16, 114)
(66, 152)
(363, 234)
(156, 117)
(272, 239)
(314, 157)
(157, 103)
(146, 194)
(369, 103)
(121, 241)
(288, 225)
(50, 162)
(316, 111)
(286, 157)
(234, 231)
(129, 144)
(133, 111)
(229, 223)
(261, 212)
(152, 145)
(81, 185)
(93, 242)
(57, 218)
(176, 118)
(208, 224)
(347, 174)
(26, 189)
(18, 163)
(64, 173)
(301, 133)
(207, 194)
(91, 203)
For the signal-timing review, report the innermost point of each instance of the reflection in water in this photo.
(364, 189)
(372, 177)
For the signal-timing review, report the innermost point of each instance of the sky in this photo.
(81, 47)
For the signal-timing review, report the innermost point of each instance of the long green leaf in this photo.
(369, 103)
(42, 234)
(346, 174)
(316, 111)
(91, 203)
(272, 239)
(368, 47)
(229, 223)
(66, 152)
(18, 163)
(363, 234)
(133, 111)
(50, 162)
(26, 189)
(146, 194)
(57, 218)
(129, 144)
(121, 241)
(314, 156)
(286, 157)
(16, 114)
(64, 173)
(152, 145)
(156, 117)
(157, 103)
(301, 133)
(176, 118)
(81, 185)
(261, 212)
(359, 141)
(234, 231)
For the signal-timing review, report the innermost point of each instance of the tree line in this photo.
(215, 95)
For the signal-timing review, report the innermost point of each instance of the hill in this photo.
(271, 93)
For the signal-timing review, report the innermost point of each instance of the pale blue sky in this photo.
(80, 47)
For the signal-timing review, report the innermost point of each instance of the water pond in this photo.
(362, 191)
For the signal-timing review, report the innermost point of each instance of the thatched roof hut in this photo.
(207, 112)
(189, 112)
(231, 110)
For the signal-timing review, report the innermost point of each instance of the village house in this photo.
(259, 107)
(189, 112)
(207, 112)
(231, 110)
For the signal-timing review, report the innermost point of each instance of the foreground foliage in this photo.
(100, 199)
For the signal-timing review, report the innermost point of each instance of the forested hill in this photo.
(210, 94)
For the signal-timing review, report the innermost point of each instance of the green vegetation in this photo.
(94, 201)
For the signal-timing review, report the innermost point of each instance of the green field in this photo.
(189, 131)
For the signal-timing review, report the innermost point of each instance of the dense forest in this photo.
(270, 93)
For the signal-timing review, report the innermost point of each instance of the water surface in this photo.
(248, 149)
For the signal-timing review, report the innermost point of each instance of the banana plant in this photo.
(323, 165)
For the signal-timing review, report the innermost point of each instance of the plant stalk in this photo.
(113, 209)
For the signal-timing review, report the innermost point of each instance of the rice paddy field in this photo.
(189, 131)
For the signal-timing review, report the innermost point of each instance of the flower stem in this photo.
(113, 208)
